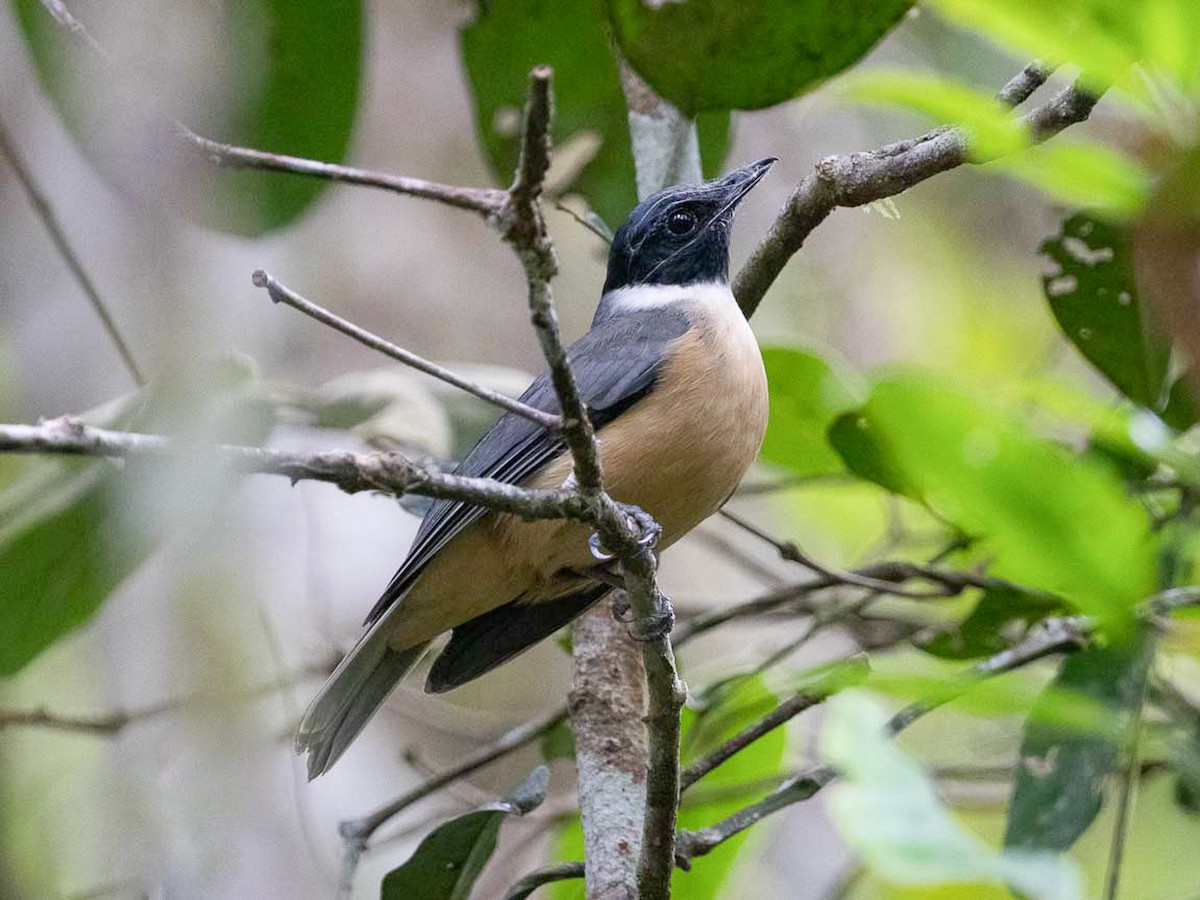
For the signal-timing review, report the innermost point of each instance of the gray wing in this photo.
(615, 365)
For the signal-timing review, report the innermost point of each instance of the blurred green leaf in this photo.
(1061, 770)
(1095, 301)
(447, 863)
(1072, 171)
(287, 73)
(989, 628)
(510, 37)
(72, 531)
(558, 742)
(1036, 505)
(727, 54)
(1101, 37)
(855, 440)
(888, 810)
(807, 394)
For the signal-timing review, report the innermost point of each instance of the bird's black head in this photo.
(680, 236)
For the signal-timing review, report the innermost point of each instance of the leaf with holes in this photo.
(1062, 770)
(447, 863)
(276, 75)
(1095, 301)
(729, 54)
(591, 129)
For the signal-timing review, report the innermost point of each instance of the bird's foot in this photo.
(639, 520)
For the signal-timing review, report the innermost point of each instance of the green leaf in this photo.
(1072, 171)
(285, 72)
(807, 394)
(510, 37)
(1037, 506)
(888, 810)
(1000, 617)
(856, 442)
(447, 863)
(1095, 301)
(72, 531)
(726, 54)
(558, 743)
(1060, 779)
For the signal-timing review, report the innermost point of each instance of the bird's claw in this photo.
(657, 625)
(648, 532)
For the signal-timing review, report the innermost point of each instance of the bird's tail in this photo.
(351, 696)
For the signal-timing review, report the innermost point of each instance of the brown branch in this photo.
(111, 723)
(281, 293)
(548, 875)
(488, 202)
(389, 473)
(856, 179)
(785, 712)
(1048, 637)
(357, 832)
(58, 236)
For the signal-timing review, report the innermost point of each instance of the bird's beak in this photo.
(737, 184)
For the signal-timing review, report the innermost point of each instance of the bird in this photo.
(674, 385)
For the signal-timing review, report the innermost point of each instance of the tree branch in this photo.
(59, 237)
(280, 293)
(488, 202)
(1048, 637)
(538, 877)
(390, 473)
(856, 179)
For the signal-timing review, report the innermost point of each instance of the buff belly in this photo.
(677, 453)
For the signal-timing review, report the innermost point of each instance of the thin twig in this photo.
(791, 552)
(58, 235)
(857, 179)
(110, 723)
(357, 832)
(785, 712)
(538, 877)
(1048, 637)
(281, 293)
(389, 473)
(488, 202)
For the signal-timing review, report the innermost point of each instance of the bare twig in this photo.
(59, 237)
(110, 723)
(281, 293)
(488, 202)
(785, 712)
(390, 473)
(357, 832)
(535, 879)
(856, 179)
(1048, 637)
(525, 230)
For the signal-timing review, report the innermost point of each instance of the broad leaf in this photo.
(1062, 769)
(729, 54)
(888, 810)
(72, 531)
(1038, 507)
(807, 395)
(1095, 301)
(447, 863)
(276, 75)
(854, 439)
(510, 37)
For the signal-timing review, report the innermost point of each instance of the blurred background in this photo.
(214, 645)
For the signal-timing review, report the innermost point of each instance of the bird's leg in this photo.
(648, 532)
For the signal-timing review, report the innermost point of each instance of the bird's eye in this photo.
(681, 222)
